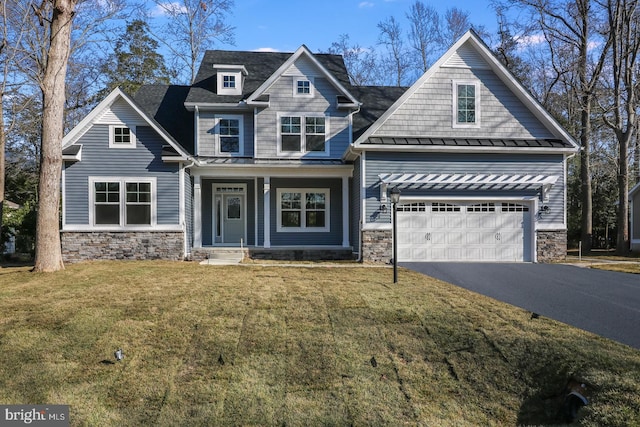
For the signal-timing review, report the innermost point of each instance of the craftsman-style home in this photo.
(279, 156)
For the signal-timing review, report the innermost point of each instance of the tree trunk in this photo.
(622, 244)
(585, 177)
(3, 144)
(48, 250)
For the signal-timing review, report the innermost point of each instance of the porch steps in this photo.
(223, 256)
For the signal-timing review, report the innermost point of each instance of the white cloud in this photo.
(531, 40)
(266, 49)
(365, 4)
(166, 9)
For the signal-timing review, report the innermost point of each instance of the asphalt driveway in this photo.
(603, 302)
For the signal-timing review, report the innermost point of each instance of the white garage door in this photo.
(435, 231)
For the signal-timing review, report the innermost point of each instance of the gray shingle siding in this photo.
(282, 100)
(545, 164)
(100, 160)
(502, 114)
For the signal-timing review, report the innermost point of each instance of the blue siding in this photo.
(143, 161)
(333, 237)
(377, 163)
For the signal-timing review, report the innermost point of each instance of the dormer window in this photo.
(303, 86)
(230, 79)
(229, 82)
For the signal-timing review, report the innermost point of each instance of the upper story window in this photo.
(121, 136)
(230, 135)
(303, 87)
(466, 105)
(122, 202)
(302, 135)
(230, 79)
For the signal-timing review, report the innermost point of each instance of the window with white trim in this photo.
(229, 82)
(303, 134)
(303, 210)
(122, 136)
(229, 135)
(122, 202)
(466, 104)
(303, 87)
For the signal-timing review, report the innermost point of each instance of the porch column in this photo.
(197, 212)
(267, 212)
(345, 211)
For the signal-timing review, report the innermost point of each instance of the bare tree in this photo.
(11, 32)
(570, 28)
(624, 26)
(360, 62)
(456, 23)
(193, 25)
(424, 35)
(397, 59)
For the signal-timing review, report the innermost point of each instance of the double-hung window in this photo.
(466, 104)
(303, 210)
(303, 134)
(230, 135)
(122, 202)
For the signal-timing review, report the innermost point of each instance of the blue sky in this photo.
(284, 25)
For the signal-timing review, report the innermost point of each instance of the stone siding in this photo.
(551, 245)
(139, 245)
(377, 246)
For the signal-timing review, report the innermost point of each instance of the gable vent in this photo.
(466, 57)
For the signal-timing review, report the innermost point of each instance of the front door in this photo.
(229, 214)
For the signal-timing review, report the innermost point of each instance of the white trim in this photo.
(345, 212)
(454, 104)
(197, 212)
(63, 185)
(303, 136)
(112, 136)
(218, 137)
(255, 212)
(102, 229)
(311, 81)
(219, 195)
(294, 170)
(122, 202)
(471, 181)
(237, 81)
(303, 228)
(458, 149)
(267, 212)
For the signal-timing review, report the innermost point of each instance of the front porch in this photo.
(285, 213)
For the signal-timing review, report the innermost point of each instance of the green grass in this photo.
(251, 345)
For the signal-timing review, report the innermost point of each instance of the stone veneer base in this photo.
(138, 245)
(551, 246)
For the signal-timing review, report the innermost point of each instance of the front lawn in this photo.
(252, 345)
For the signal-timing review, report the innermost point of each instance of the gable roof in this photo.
(471, 39)
(85, 124)
(260, 68)
(303, 51)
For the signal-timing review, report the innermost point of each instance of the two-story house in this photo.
(277, 153)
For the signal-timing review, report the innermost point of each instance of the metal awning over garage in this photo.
(455, 181)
